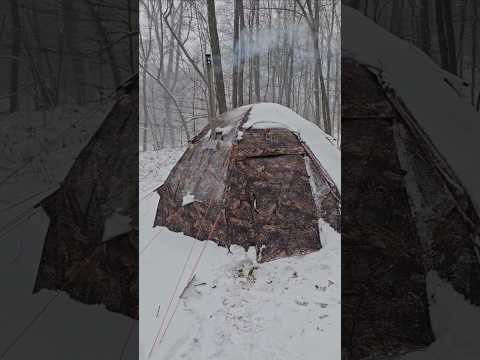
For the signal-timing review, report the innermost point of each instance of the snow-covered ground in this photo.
(38, 149)
(234, 308)
(445, 114)
(456, 325)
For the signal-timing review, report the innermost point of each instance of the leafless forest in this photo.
(447, 30)
(63, 51)
(281, 51)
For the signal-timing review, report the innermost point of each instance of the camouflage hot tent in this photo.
(410, 192)
(91, 247)
(258, 186)
(406, 214)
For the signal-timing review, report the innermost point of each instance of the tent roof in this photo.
(227, 188)
(270, 115)
(434, 97)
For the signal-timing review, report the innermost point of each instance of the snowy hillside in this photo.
(234, 308)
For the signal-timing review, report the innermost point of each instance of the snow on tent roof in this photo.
(448, 119)
(233, 178)
(270, 115)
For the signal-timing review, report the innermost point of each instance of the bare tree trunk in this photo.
(257, 55)
(312, 15)
(236, 26)
(474, 50)
(291, 54)
(170, 75)
(461, 40)
(172, 97)
(329, 48)
(289, 71)
(396, 19)
(145, 112)
(242, 52)
(269, 54)
(145, 51)
(316, 77)
(131, 50)
(117, 79)
(450, 31)
(283, 74)
(337, 117)
(15, 64)
(70, 26)
(250, 51)
(41, 55)
(217, 57)
(318, 70)
(274, 85)
(442, 40)
(426, 42)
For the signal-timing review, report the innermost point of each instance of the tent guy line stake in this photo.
(192, 274)
(18, 220)
(171, 299)
(37, 316)
(148, 193)
(226, 165)
(127, 340)
(186, 287)
(29, 325)
(150, 242)
(29, 197)
(178, 282)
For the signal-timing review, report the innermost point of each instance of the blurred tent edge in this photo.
(91, 247)
(408, 209)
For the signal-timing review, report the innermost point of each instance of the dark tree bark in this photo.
(251, 16)
(311, 11)
(256, 59)
(329, 47)
(327, 126)
(242, 52)
(461, 40)
(131, 47)
(236, 26)
(15, 64)
(426, 41)
(396, 20)
(117, 78)
(365, 8)
(217, 57)
(474, 50)
(42, 57)
(442, 40)
(70, 25)
(450, 33)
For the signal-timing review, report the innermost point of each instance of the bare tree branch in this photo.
(159, 82)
